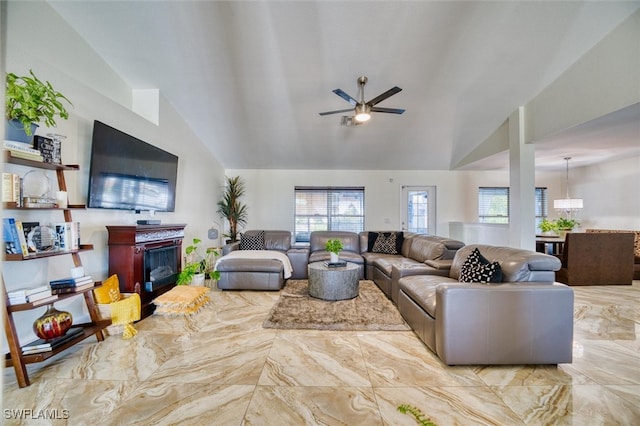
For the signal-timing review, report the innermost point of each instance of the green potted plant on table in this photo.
(548, 227)
(29, 100)
(231, 208)
(197, 266)
(334, 247)
(565, 225)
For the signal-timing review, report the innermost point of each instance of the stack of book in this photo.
(39, 295)
(71, 285)
(23, 150)
(42, 345)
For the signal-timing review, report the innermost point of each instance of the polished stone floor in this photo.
(222, 368)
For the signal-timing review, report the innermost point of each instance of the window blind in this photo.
(493, 204)
(327, 209)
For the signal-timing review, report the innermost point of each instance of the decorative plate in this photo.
(42, 239)
(36, 184)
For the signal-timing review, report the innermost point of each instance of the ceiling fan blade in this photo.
(388, 110)
(384, 96)
(345, 96)
(336, 112)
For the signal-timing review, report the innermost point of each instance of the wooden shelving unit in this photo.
(94, 328)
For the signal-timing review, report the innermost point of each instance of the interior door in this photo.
(419, 209)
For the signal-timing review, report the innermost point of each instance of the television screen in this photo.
(129, 174)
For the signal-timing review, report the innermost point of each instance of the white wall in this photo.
(97, 93)
(610, 192)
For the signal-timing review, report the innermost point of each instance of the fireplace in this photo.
(147, 259)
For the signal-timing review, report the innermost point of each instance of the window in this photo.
(493, 204)
(328, 209)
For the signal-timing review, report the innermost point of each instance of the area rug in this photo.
(371, 310)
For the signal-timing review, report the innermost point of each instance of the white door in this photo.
(419, 209)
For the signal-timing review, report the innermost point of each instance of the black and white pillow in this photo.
(386, 242)
(477, 269)
(253, 241)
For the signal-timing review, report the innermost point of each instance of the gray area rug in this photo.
(371, 310)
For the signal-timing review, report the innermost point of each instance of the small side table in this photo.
(334, 283)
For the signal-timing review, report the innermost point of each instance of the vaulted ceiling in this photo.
(251, 77)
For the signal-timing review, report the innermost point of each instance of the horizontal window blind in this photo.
(493, 204)
(328, 209)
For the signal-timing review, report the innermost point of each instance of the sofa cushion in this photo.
(385, 242)
(477, 269)
(254, 241)
(422, 290)
(386, 262)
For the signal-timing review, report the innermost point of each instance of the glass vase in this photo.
(53, 323)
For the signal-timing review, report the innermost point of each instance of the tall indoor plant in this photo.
(231, 208)
(29, 100)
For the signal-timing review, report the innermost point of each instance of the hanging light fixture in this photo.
(568, 205)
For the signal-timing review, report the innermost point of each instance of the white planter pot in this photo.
(334, 257)
(198, 279)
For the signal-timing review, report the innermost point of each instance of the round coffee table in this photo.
(334, 283)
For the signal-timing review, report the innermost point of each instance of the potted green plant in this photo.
(197, 266)
(231, 208)
(565, 225)
(29, 100)
(334, 247)
(548, 226)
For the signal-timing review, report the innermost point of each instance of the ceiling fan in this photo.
(362, 110)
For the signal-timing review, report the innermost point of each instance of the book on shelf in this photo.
(42, 345)
(71, 282)
(37, 296)
(75, 289)
(20, 146)
(22, 238)
(68, 235)
(27, 228)
(49, 148)
(10, 236)
(26, 155)
(11, 188)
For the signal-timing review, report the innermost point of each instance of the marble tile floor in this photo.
(221, 367)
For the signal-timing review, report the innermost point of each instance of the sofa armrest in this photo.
(228, 248)
(440, 264)
(508, 323)
(299, 257)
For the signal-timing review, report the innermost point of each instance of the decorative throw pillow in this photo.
(252, 242)
(477, 269)
(109, 292)
(387, 242)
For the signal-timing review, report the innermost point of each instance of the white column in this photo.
(522, 217)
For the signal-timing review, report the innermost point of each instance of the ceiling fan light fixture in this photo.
(362, 113)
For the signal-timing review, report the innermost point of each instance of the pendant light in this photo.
(568, 205)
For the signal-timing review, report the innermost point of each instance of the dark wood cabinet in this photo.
(146, 258)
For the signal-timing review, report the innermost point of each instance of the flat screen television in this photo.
(129, 174)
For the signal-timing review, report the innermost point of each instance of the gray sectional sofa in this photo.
(414, 254)
(527, 318)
